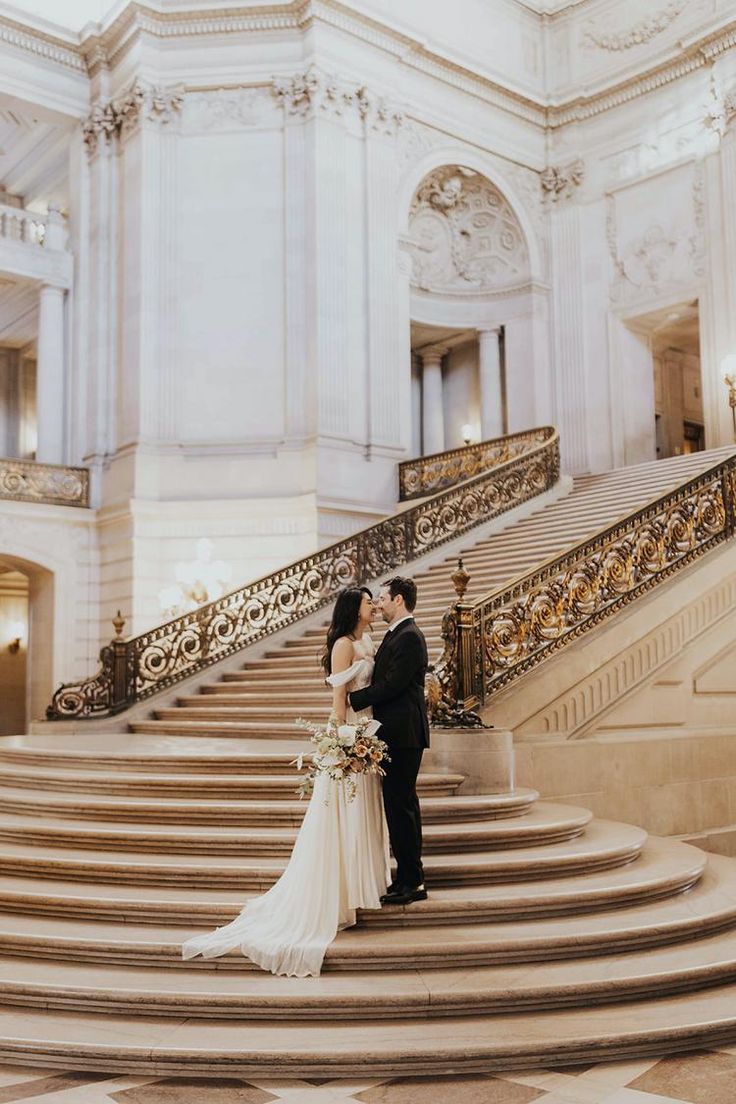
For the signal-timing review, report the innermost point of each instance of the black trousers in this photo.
(402, 814)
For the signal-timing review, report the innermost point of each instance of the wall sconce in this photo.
(202, 580)
(728, 364)
(17, 632)
(467, 432)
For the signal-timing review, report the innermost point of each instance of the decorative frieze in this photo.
(561, 181)
(641, 32)
(141, 102)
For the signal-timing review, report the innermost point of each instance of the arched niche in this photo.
(38, 641)
(474, 302)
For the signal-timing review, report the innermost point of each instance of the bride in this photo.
(340, 861)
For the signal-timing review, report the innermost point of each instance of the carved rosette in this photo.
(141, 103)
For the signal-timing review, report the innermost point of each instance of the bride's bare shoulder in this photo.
(343, 648)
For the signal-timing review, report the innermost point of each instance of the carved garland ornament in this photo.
(464, 236)
(642, 32)
(117, 118)
(560, 182)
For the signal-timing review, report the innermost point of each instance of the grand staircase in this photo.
(549, 937)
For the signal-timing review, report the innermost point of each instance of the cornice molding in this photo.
(41, 44)
(106, 48)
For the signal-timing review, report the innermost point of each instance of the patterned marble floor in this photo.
(704, 1077)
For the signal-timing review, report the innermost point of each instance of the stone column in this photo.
(50, 376)
(491, 384)
(416, 405)
(433, 418)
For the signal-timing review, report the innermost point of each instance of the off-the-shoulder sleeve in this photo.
(342, 677)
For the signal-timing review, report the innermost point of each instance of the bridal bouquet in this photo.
(342, 752)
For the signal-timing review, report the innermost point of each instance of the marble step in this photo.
(403, 993)
(662, 869)
(605, 844)
(546, 823)
(707, 909)
(239, 786)
(435, 810)
(301, 1048)
(265, 730)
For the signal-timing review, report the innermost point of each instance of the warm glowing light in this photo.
(197, 581)
(16, 632)
(467, 432)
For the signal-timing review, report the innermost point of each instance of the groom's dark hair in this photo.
(407, 588)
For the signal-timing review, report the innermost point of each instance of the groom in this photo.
(396, 694)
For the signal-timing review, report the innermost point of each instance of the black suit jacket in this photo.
(397, 690)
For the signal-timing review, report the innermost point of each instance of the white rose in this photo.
(346, 735)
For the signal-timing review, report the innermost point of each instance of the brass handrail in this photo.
(496, 639)
(53, 484)
(133, 669)
(428, 474)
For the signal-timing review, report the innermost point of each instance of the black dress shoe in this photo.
(404, 895)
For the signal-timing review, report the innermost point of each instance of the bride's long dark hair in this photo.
(344, 620)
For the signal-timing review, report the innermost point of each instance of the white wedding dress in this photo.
(340, 863)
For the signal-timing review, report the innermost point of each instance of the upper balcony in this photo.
(34, 247)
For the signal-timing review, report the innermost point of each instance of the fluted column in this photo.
(50, 376)
(433, 418)
(491, 384)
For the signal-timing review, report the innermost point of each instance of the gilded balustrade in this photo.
(428, 474)
(53, 484)
(136, 668)
(493, 641)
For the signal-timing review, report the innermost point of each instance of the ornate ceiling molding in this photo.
(105, 49)
(41, 44)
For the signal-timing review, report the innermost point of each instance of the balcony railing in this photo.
(19, 225)
(136, 668)
(494, 640)
(53, 484)
(429, 474)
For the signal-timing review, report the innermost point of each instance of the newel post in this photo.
(119, 649)
(450, 683)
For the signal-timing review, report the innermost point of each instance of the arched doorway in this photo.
(26, 642)
(476, 341)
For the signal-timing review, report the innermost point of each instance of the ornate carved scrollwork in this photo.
(157, 659)
(27, 481)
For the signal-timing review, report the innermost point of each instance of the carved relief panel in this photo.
(464, 235)
(655, 248)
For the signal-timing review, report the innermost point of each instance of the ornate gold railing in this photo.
(493, 641)
(27, 481)
(428, 474)
(134, 669)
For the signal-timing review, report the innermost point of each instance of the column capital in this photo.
(486, 331)
(434, 352)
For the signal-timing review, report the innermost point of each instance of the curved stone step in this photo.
(663, 868)
(262, 729)
(411, 994)
(547, 823)
(448, 1044)
(457, 809)
(604, 844)
(259, 786)
(457, 942)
